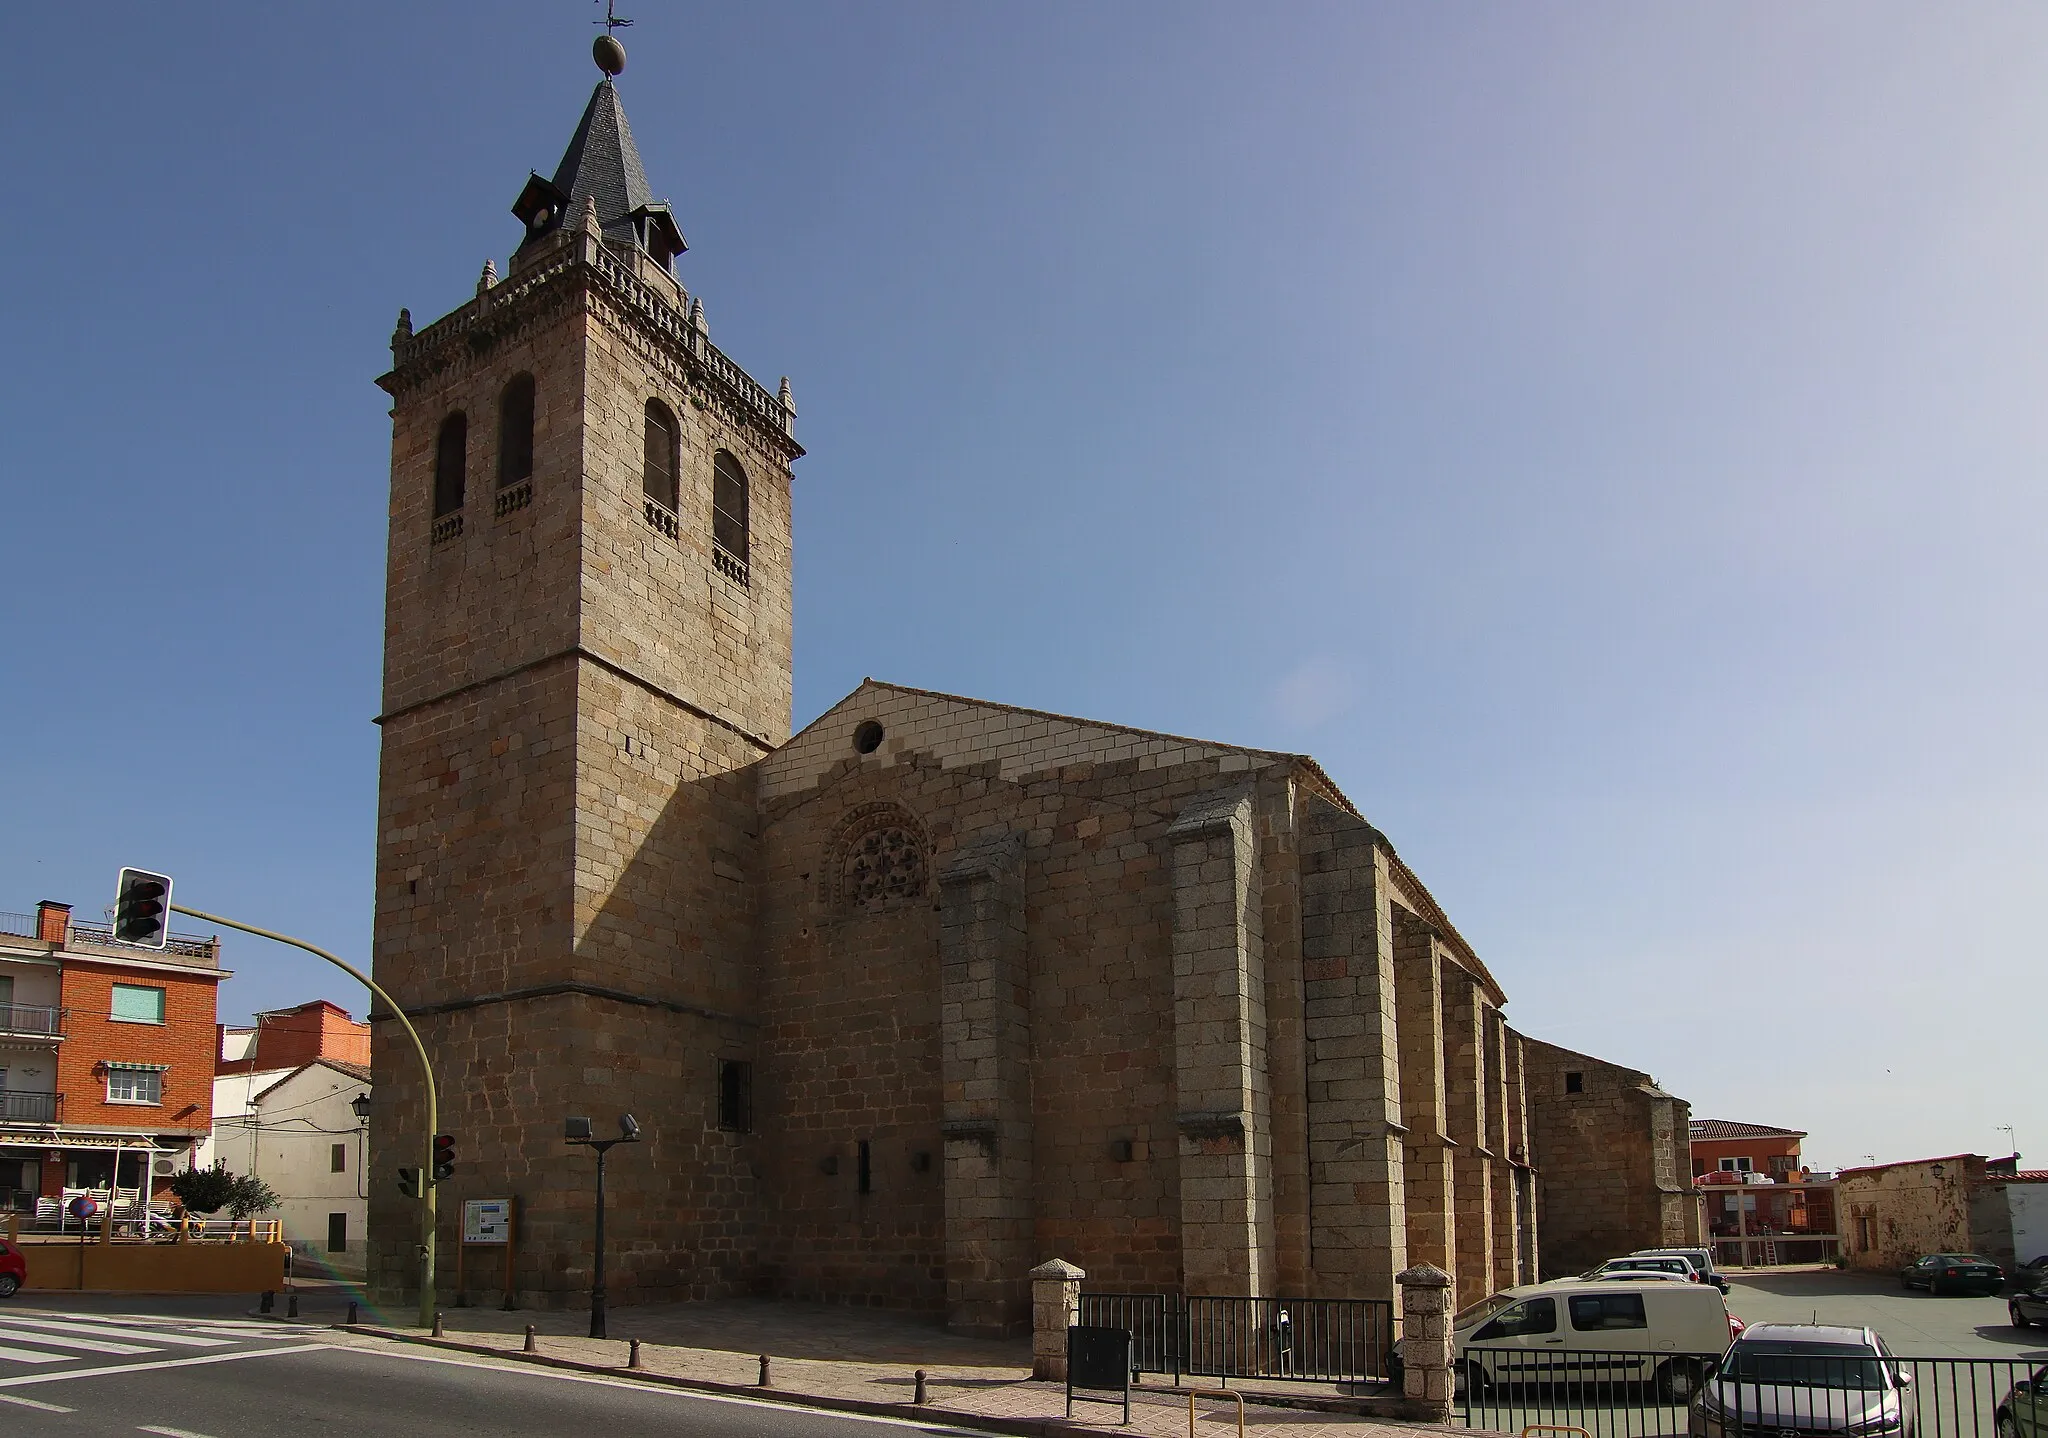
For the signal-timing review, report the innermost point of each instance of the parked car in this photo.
(13, 1269)
(1805, 1378)
(2027, 1307)
(1615, 1330)
(1953, 1273)
(1702, 1259)
(2024, 1413)
(2032, 1275)
(1649, 1263)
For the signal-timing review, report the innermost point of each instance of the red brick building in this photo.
(1721, 1145)
(106, 1056)
(289, 1038)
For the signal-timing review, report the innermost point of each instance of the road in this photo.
(76, 1372)
(1914, 1323)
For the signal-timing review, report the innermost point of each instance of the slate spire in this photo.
(603, 164)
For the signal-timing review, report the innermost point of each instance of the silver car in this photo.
(1784, 1378)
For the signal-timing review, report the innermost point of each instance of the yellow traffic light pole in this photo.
(426, 1071)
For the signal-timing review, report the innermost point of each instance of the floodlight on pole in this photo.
(578, 1131)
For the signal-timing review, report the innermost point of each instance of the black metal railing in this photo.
(1323, 1340)
(16, 1107)
(195, 946)
(1763, 1395)
(32, 1019)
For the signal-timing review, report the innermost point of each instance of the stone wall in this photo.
(1893, 1214)
(1609, 1149)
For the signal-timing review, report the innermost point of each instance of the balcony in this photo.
(18, 1107)
(192, 946)
(33, 1021)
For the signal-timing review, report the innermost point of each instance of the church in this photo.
(910, 1000)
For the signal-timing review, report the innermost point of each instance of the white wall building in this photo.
(297, 1130)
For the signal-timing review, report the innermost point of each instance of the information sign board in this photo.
(487, 1220)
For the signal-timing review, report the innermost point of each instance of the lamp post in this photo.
(360, 1106)
(577, 1130)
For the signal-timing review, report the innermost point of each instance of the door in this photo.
(1611, 1332)
(1509, 1348)
(337, 1233)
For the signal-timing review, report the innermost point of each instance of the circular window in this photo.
(868, 737)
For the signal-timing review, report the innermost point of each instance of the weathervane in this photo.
(606, 49)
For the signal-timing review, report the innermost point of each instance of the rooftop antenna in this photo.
(2012, 1144)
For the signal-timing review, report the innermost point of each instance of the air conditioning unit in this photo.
(163, 1168)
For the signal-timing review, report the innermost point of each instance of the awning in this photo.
(132, 1143)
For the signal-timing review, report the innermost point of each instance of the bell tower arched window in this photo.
(451, 456)
(658, 467)
(515, 431)
(729, 522)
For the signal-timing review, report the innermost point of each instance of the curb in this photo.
(908, 1412)
(929, 1414)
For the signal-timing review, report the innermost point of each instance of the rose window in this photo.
(883, 867)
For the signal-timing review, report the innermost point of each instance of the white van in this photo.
(1579, 1331)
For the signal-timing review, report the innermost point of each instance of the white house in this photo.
(297, 1129)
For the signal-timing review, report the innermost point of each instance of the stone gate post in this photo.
(1055, 1307)
(1426, 1341)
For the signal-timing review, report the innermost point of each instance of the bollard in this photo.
(351, 1313)
(269, 1302)
(918, 1396)
(531, 1345)
(763, 1382)
(291, 1304)
(437, 1325)
(633, 1355)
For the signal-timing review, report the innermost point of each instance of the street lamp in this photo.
(577, 1130)
(361, 1106)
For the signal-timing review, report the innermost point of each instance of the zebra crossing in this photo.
(38, 1341)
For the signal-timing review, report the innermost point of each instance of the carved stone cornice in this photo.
(581, 270)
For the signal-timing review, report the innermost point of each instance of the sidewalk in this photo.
(864, 1361)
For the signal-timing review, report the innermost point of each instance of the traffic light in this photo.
(444, 1156)
(142, 908)
(409, 1182)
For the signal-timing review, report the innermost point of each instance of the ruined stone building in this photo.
(908, 1001)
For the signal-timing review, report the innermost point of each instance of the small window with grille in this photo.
(735, 1096)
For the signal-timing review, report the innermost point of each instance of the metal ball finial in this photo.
(609, 54)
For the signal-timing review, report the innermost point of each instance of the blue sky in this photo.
(1608, 437)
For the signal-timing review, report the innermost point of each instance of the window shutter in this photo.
(138, 1004)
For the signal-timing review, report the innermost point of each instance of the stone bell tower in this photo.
(587, 645)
